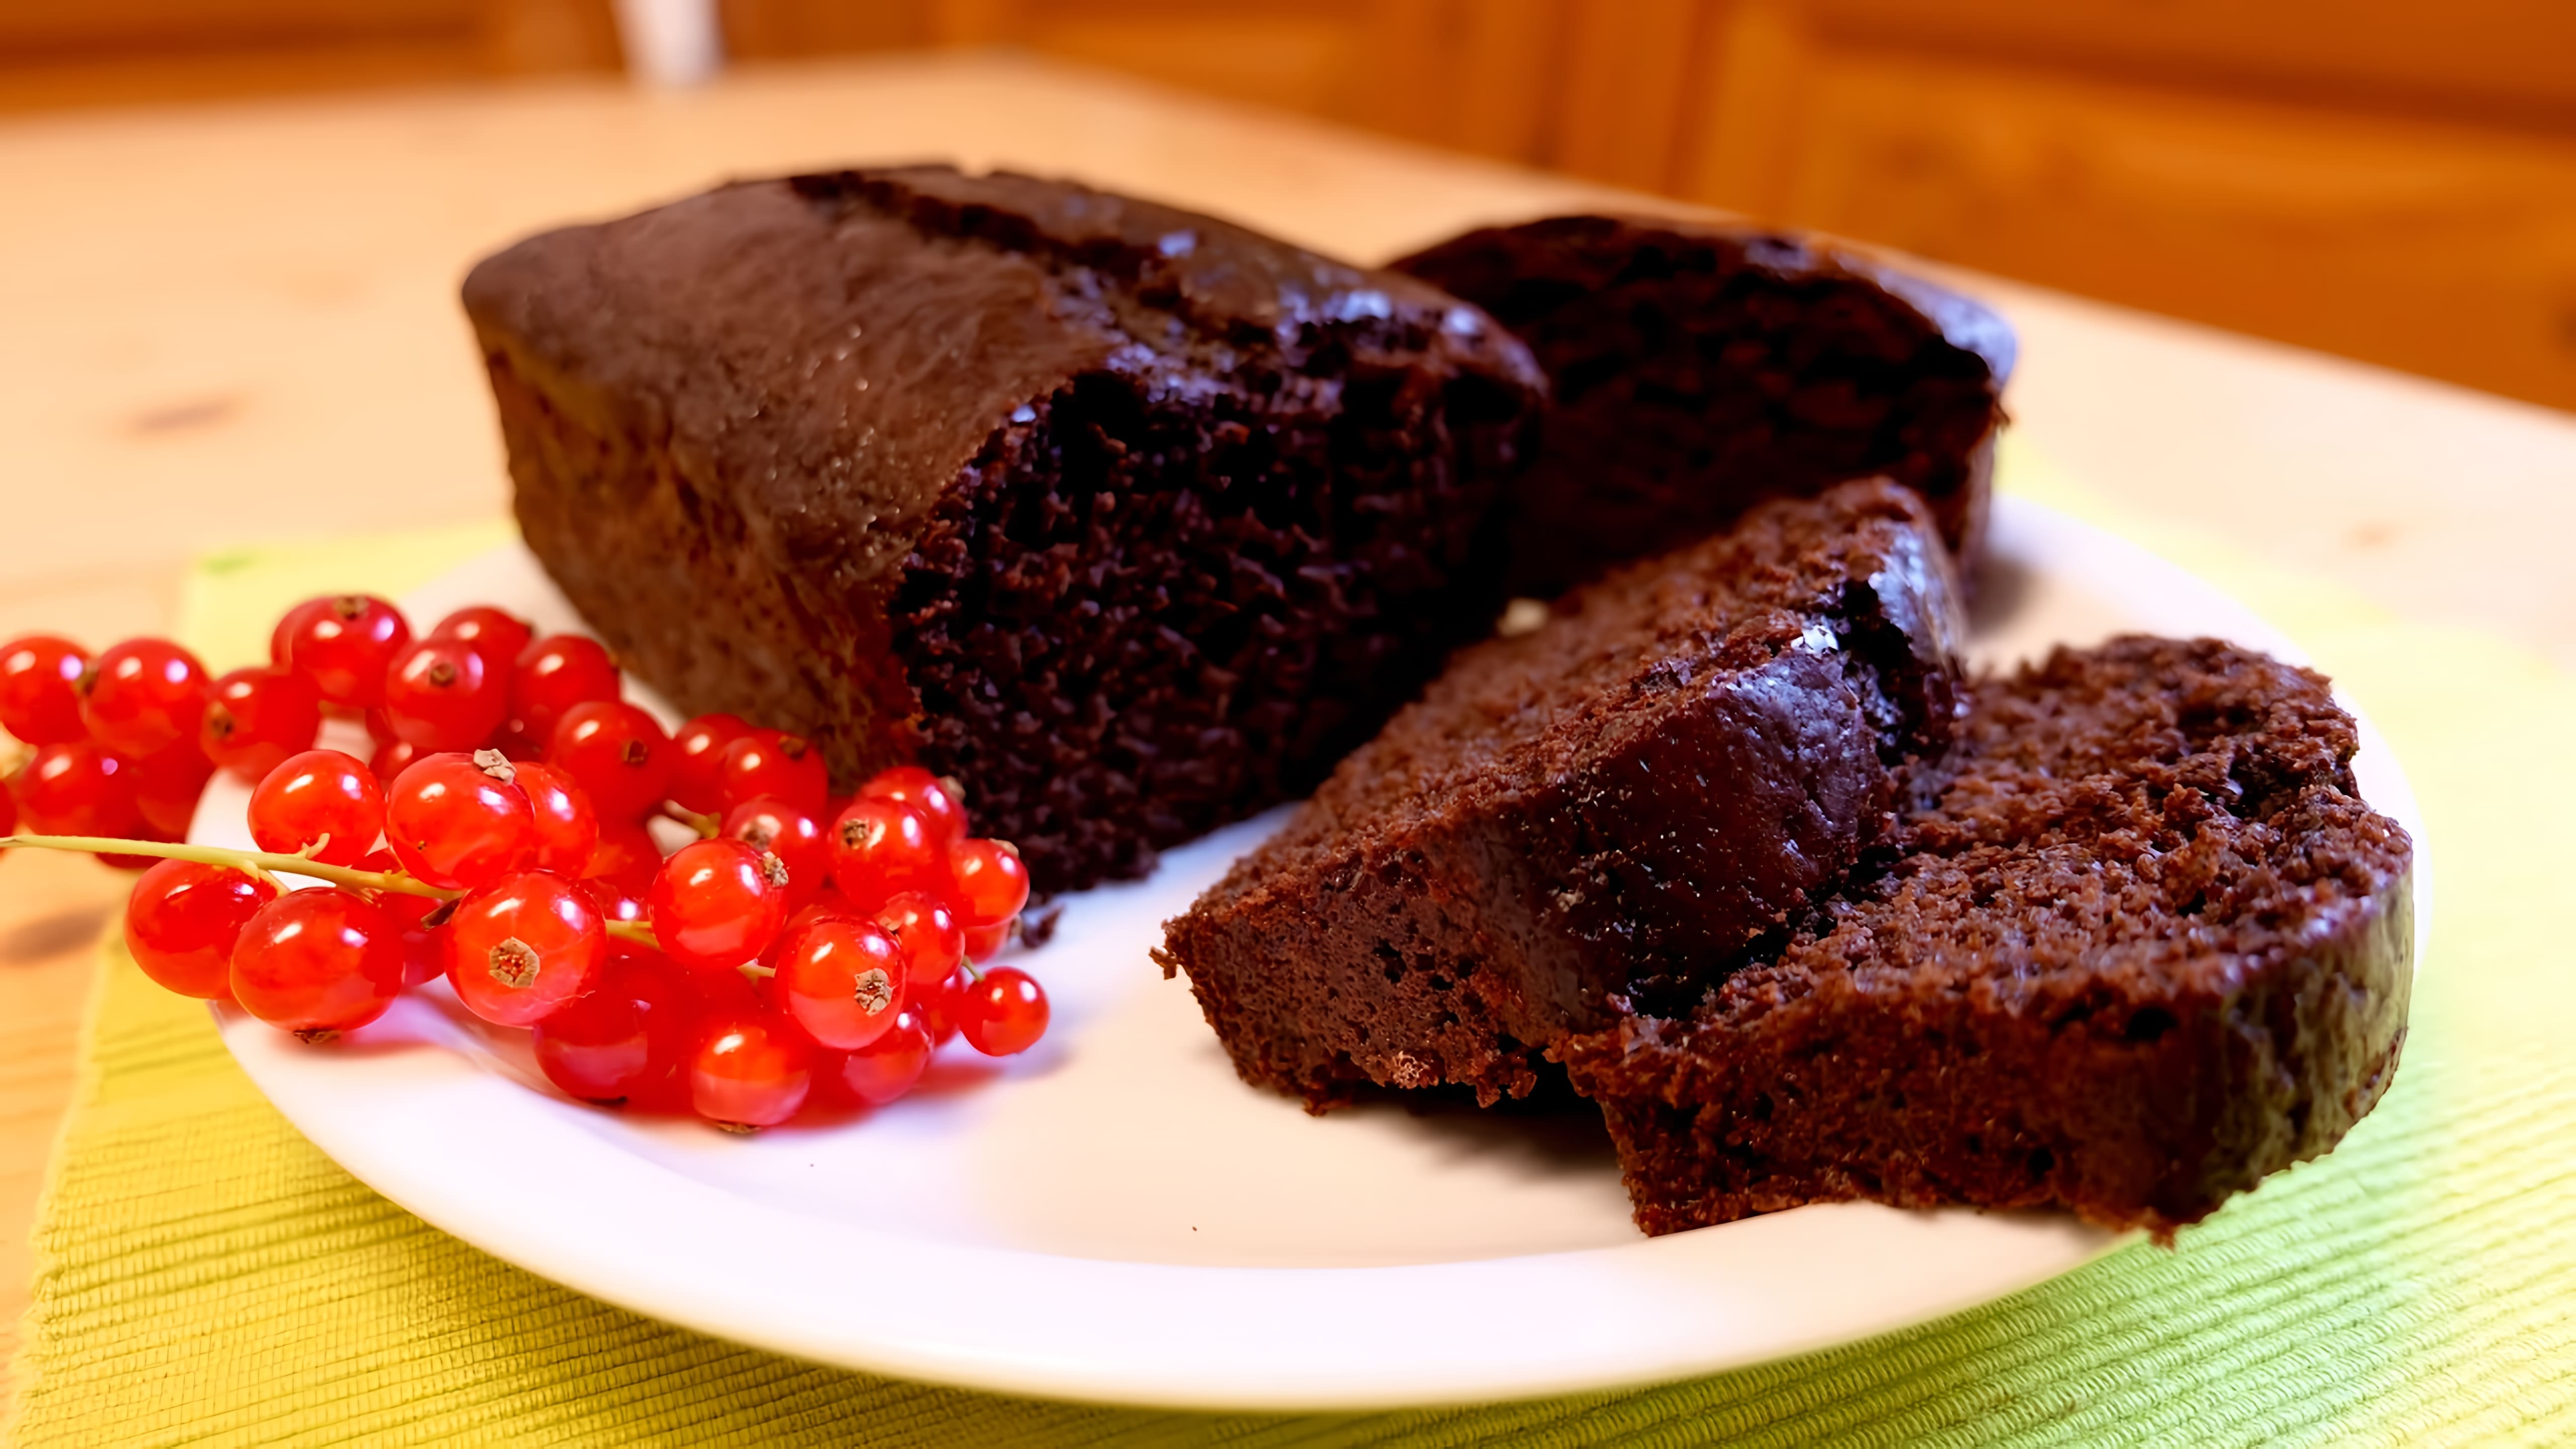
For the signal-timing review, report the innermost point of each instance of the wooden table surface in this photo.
(220, 325)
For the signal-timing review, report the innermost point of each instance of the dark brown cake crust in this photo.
(1132, 519)
(1620, 805)
(2143, 947)
(1700, 368)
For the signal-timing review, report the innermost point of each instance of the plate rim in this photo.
(1365, 1371)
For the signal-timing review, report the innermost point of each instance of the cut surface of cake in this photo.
(1617, 806)
(2140, 945)
(1131, 519)
(1699, 368)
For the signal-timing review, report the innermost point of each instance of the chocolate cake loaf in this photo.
(1133, 520)
(1617, 807)
(2140, 946)
(1700, 368)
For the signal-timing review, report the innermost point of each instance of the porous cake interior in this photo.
(2142, 946)
(1165, 599)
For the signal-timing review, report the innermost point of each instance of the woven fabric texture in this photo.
(208, 1277)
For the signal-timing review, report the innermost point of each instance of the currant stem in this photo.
(257, 863)
(261, 864)
(707, 826)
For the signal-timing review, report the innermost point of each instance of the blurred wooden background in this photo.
(2388, 179)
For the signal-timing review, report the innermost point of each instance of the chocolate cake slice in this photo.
(1700, 368)
(1133, 520)
(2141, 944)
(1617, 807)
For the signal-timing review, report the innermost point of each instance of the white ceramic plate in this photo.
(1116, 1217)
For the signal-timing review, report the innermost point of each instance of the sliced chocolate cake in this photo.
(2140, 945)
(1617, 807)
(1133, 520)
(1700, 368)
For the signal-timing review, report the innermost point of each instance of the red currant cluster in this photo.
(800, 950)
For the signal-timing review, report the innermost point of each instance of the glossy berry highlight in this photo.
(460, 821)
(319, 798)
(257, 719)
(749, 1070)
(40, 690)
(183, 919)
(841, 980)
(773, 763)
(618, 753)
(697, 763)
(521, 947)
(882, 848)
(554, 674)
(718, 904)
(143, 696)
(1004, 1013)
(567, 831)
(941, 802)
(317, 962)
(345, 646)
(442, 695)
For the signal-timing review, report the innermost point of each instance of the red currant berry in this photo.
(460, 821)
(143, 696)
(718, 904)
(315, 961)
(167, 786)
(79, 789)
(749, 1070)
(40, 690)
(986, 942)
(320, 795)
(622, 1041)
(516, 744)
(419, 918)
(992, 883)
(392, 759)
(499, 636)
(256, 718)
(617, 906)
(882, 848)
(927, 930)
(281, 640)
(773, 763)
(795, 837)
(441, 695)
(939, 801)
(697, 763)
(522, 946)
(567, 831)
(888, 1067)
(841, 980)
(625, 855)
(618, 753)
(8, 811)
(554, 674)
(936, 1000)
(347, 647)
(182, 920)
(1003, 1014)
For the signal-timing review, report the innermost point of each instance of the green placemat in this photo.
(206, 1275)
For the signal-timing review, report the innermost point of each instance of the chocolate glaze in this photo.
(1621, 805)
(1132, 519)
(2139, 946)
(1699, 368)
